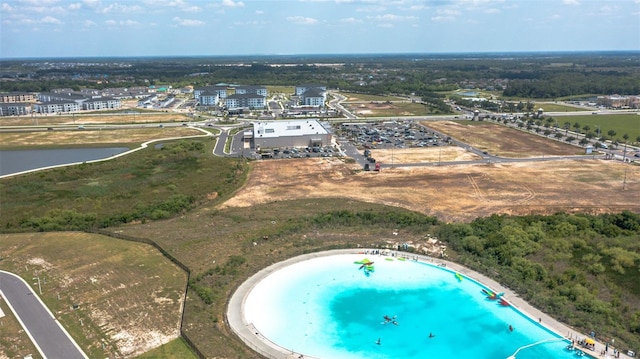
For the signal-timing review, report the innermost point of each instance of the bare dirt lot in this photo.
(422, 155)
(94, 118)
(503, 141)
(453, 193)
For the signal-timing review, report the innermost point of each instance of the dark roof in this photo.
(244, 95)
(313, 92)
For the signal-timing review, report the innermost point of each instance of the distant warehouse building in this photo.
(302, 133)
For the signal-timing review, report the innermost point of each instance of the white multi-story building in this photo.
(14, 109)
(209, 98)
(220, 90)
(256, 90)
(17, 97)
(314, 97)
(101, 103)
(56, 107)
(251, 101)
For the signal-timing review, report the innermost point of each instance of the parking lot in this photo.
(394, 134)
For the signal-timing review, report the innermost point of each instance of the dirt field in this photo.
(385, 108)
(453, 193)
(503, 141)
(422, 155)
(80, 119)
(128, 295)
(90, 136)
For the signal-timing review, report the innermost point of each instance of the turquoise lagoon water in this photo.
(329, 308)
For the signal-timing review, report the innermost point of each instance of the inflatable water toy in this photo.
(504, 303)
(459, 277)
(389, 259)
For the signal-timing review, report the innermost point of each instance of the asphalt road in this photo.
(47, 334)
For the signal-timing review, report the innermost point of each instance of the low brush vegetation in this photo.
(153, 184)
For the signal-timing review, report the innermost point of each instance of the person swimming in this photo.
(431, 335)
(510, 328)
(379, 342)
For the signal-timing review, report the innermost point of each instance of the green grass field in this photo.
(557, 107)
(621, 124)
(174, 349)
(287, 90)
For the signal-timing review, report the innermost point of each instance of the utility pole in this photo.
(624, 181)
(40, 287)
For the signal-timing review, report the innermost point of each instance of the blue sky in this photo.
(82, 28)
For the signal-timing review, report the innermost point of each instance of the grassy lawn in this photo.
(557, 107)
(111, 282)
(287, 90)
(621, 124)
(176, 348)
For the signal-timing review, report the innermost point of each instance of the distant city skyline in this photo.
(127, 28)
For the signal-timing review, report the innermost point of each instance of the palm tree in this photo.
(566, 126)
(626, 137)
(576, 126)
(611, 133)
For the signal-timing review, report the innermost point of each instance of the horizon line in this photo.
(378, 54)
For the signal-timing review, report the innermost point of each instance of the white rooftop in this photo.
(273, 129)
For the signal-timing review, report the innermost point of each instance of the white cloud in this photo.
(231, 3)
(91, 3)
(6, 8)
(443, 18)
(492, 11)
(115, 7)
(187, 22)
(50, 20)
(391, 18)
(40, 2)
(351, 20)
(75, 6)
(448, 12)
(121, 23)
(301, 20)
(259, 12)
(89, 23)
(554, 17)
(192, 9)
(372, 9)
(571, 2)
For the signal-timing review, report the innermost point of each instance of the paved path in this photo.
(46, 333)
(251, 337)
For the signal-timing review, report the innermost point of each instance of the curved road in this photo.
(46, 333)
